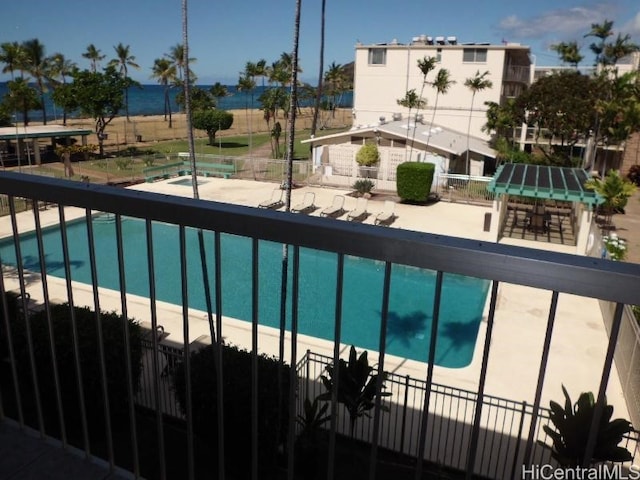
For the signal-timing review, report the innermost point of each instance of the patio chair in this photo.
(307, 205)
(274, 202)
(360, 212)
(335, 209)
(387, 215)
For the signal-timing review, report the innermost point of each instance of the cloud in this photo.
(632, 27)
(566, 23)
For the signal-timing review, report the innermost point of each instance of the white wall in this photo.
(377, 88)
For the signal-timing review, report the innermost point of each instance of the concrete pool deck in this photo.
(579, 339)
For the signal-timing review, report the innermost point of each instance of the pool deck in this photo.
(579, 338)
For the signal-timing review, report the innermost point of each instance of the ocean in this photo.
(149, 100)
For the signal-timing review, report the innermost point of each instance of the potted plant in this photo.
(367, 158)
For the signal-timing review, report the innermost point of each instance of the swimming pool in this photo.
(410, 303)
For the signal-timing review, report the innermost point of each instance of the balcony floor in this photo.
(23, 456)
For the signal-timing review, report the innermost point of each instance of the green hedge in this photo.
(272, 418)
(414, 181)
(115, 362)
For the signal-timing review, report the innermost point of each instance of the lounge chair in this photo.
(360, 212)
(387, 215)
(336, 209)
(274, 202)
(307, 205)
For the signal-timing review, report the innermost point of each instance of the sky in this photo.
(225, 34)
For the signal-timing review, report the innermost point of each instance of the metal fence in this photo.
(464, 188)
(504, 423)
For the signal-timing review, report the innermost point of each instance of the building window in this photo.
(474, 55)
(377, 56)
(439, 55)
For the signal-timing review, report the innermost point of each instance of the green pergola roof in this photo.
(537, 181)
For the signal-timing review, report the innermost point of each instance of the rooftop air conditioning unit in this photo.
(429, 40)
(419, 117)
(415, 39)
(440, 40)
(423, 38)
(452, 40)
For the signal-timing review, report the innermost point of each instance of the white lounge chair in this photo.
(360, 212)
(387, 215)
(274, 202)
(336, 209)
(307, 205)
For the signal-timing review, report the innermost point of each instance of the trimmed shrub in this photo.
(368, 155)
(272, 418)
(414, 181)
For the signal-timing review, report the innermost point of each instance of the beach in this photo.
(145, 130)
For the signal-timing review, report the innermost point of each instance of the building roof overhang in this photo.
(41, 131)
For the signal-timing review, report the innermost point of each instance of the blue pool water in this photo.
(411, 296)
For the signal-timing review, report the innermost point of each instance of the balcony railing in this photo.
(23, 397)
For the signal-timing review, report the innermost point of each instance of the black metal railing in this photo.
(31, 381)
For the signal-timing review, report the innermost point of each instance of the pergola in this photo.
(33, 134)
(546, 183)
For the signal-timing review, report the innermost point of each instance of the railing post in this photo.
(518, 440)
(404, 412)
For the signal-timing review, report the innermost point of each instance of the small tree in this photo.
(615, 190)
(572, 425)
(212, 121)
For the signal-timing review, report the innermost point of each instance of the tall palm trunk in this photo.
(285, 248)
(468, 160)
(316, 108)
(433, 119)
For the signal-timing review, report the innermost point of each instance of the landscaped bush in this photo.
(414, 181)
(368, 155)
(363, 185)
(272, 418)
(87, 333)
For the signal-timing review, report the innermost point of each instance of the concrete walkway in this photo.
(25, 455)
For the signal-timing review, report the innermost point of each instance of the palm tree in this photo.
(94, 56)
(12, 55)
(314, 122)
(476, 84)
(247, 84)
(569, 52)
(602, 31)
(165, 72)
(442, 83)
(124, 60)
(619, 49)
(289, 183)
(336, 81)
(60, 68)
(411, 100)
(37, 65)
(425, 65)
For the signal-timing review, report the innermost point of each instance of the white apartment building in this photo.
(385, 72)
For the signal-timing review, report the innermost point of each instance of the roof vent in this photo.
(397, 116)
(382, 120)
